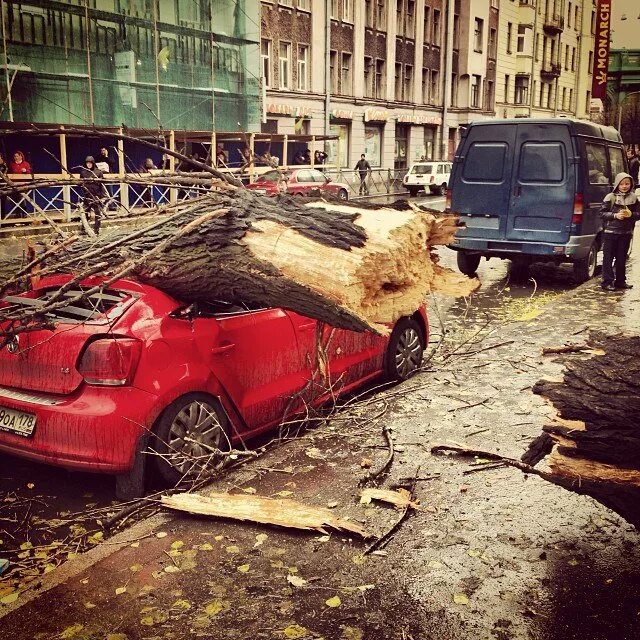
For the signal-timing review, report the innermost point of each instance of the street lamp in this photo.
(620, 103)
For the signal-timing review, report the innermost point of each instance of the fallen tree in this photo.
(353, 267)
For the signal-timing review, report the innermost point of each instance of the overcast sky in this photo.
(626, 32)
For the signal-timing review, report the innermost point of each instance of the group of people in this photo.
(18, 164)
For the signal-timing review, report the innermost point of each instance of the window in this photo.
(615, 154)
(544, 49)
(317, 176)
(597, 165)
(485, 162)
(427, 14)
(410, 20)
(509, 36)
(334, 9)
(593, 22)
(507, 88)
(346, 82)
(456, 32)
(573, 59)
(566, 57)
(368, 14)
(488, 102)
(407, 93)
(304, 5)
(399, 23)
(570, 99)
(425, 86)
(454, 89)
(564, 99)
(286, 3)
(398, 84)
(522, 30)
(333, 71)
(493, 42)
(552, 52)
(477, 35)
(303, 68)
(381, 15)
(475, 91)
(569, 16)
(588, 104)
(435, 28)
(521, 90)
(380, 80)
(369, 78)
(541, 162)
(549, 95)
(347, 10)
(590, 68)
(265, 58)
(285, 65)
(435, 87)
(576, 26)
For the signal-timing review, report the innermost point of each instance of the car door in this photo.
(256, 358)
(544, 184)
(301, 182)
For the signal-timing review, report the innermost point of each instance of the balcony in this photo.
(553, 23)
(550, 70)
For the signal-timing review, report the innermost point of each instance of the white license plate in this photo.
(17, 422)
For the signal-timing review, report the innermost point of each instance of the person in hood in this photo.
(93, 191)
(619, 212)
(19, 164)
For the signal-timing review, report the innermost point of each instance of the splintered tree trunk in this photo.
(353, 268)
(593, 446)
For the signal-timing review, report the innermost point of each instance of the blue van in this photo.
(530, 190)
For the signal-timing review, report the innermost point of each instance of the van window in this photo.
(597, 164)
(485, 162)
(542, 162)
(617, 160)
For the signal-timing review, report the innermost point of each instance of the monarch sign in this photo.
(601, 49)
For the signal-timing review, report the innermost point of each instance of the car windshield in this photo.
(271, 176)
(422, 168)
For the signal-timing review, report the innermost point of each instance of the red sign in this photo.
(601, 49)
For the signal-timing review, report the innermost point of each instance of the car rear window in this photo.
(107, 304)
(485, 162)
(271, 176)
(542, 162)
(422, 168)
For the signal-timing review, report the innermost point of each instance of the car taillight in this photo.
(110, 361)
(447, 203)
(432, 179)
(578, 209)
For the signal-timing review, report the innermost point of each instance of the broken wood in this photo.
(400, 498)
(570, 348)
(280, 512)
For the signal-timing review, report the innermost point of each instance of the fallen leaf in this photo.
(206, 547)
(178, 544)
(232, 548)
(284, 494)
(155, 617)
(215, 607)
(72, 631)
(171, 568)
(116, 636)
(261, 538)
(332, 505)
(474, 553)
(121, 590)
(293, 569)
(135, 568)
(185, 605)
(434, 564)
(26, 545)
(359, 559)
(12, 597)
(365, 463)
(250, 490)
(30, 485)
(333, 602)
(323, 538)
(352, 633)
(460, 598)
(294, 632)
(360, 588)
(96, 537)
(296, 581)
(314, 453)
(135, 545)
(161, 534)
(573, 562)
(243, 568)
(90, 605)
(49, 567)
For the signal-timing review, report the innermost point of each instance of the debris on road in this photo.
(280, 512)
(400, 498)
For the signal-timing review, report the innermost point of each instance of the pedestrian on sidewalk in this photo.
(634, 163)
(93, 191)
(619, 212)
(364, 169)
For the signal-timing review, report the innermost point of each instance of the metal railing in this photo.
(379, 182)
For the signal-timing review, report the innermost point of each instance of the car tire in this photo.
(403, 357)
(413, 192)
(442, 189)
(343, 195)
(181, 419)
(468, 263)
(585, 269)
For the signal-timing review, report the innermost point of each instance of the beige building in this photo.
(545, 57)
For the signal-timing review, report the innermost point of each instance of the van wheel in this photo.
(413, 192)
(585, 269)
(519, 271)
(468, 263)
(442, 189)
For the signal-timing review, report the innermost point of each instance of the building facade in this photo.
(545, 58)
(187, 64)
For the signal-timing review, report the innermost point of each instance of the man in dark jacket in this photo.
(619, 212)
(93, 191)
(363, 168)
(634, 164)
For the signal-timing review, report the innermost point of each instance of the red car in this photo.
(133, 369)
(298, 181)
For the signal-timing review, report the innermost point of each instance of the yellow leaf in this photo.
(30, 485)
(178, 544)
(185, 605)
(249, 490)
(293, 569)
(573, 562)
(359, 559)
(155, 617)
(296, 581)
(89, 605)
(284, 494)
(243, 568)
(460, 598)
(26, 545)
(95, 538)
(323, 538)
(135, 545)
(361, 588)
(161, 534)
(207, 546)
(474, 553)
(333, 602)
(135, 568)
(72, 631)
(434, 564)
(233, 549)
(12, 597)
(121, 590)
(261, 538)
(218, 538)
(352, 633)
(24, 554)
(294, 632)
(49, 567)
(216, 606)
(171, 568)
(116, 636)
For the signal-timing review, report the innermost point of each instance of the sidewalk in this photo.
(491, 554)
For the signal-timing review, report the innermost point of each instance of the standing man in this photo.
(634, 163)
(93, 191)
(364, 169)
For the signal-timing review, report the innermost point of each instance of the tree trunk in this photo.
(352, 268)
(593, 446)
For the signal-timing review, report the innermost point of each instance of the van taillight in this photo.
(447, 203)
(578, 209)
(110, 361)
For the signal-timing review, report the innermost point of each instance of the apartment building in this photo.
(545, 58)
(373, 73)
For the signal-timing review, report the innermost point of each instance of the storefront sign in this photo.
(414, 119)
(342, 114)
(601, 49)
(377, 115)
(289, 110)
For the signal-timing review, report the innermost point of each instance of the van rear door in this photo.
(481, 180)
(544, 184)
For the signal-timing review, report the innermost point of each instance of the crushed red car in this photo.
(130, 369)
(308, 182)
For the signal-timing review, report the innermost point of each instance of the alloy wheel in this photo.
(408, 357)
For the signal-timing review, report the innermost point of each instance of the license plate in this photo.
(17, 422)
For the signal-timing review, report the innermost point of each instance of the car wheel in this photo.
(343, 195)
(405, 349)
(192, 433)
(468, 263)
(442, 189)
(413, 192)
(585, 269)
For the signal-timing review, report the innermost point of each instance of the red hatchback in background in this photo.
(132, 369)
(308, 182)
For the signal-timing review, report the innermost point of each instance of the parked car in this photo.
(132, 369)
(307, 182)
(434, 176)
(531, 189)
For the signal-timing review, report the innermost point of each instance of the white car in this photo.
(427, 175)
